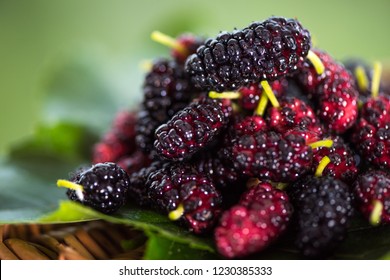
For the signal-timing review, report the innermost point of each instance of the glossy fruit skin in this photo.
(118, 141)
(376, 110)
(192, 129)
(220, 170)
(323, 209)
(371, 186)
(138, 190)
(292, 113)
(371, 134)
(264, 50)
(342, 166)
(250, 226)
(166, 90)
(334, 92)
(176, 185)
(272, 156)
(105, 187)
(250, 95)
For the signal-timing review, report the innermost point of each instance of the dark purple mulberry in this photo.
(263, 50)
(191, 129)
(167, 89)
(323, 208)
(138, 191)
(271, 156)
(105, 187)
(186, 195)
(220, 170)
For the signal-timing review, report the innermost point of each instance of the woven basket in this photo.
(95, 240)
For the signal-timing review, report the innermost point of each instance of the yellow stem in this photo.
(376, 78)
(177, 213)
(376, 213)
(226, 94)
(316, 62)
(168, 41)
(361, 78)
(260, 109)
(322, 143)
(321, 166)
(69, 185)
(270, 94)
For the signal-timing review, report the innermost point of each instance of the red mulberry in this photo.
(260, 217)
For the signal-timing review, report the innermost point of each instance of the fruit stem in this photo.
(376, 213)
(177, 213)
(260, 109)
(270, 94)
(79, 189)
(69, 185)
(316, 62)
(322, 143)
(226, 94)
(321, 166)
(376, 77)
(168, 41)
(361, 78)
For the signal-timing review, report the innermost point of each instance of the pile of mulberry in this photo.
(247, 136)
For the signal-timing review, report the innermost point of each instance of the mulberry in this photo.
(167, 90)
(186, 195)
(263, 50)
(119, 141)
(271, 156)
(191, 129)
(260, 217)
(103, 187)
(342, 163)
(372, 190)
(323, 209)
(334, 91)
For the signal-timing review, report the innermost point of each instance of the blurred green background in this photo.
(37, 35)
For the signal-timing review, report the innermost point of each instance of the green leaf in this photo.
(143, 219)
(28, 190)
(60, 141)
